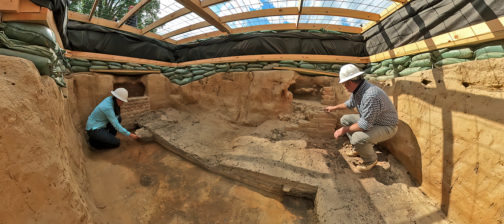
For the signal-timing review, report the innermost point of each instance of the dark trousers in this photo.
(104, 138)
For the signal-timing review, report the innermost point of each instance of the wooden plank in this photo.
(206, 3)
(285, 26)
(11, 6)
(186, 29)
(472, 35)
(260, 13)
(308, 71)
(95, 3)
(280, 57)
(132, 12)
(166, 19)
(341, 12)
(208, 15)
(115, 58)
(27, 6)
(125, 72)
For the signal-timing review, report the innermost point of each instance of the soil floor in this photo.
(144, 183)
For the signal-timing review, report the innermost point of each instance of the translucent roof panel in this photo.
(333, 20)
(191, 33)
(178, 23)
(262, 21)
(374, 6)
(167, 7)
(238, 6)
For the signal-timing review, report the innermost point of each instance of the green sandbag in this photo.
(140, 68)
(307, 66)
(114, 67)
(221, 70)
(238, 64)
(30, 33)
(449, 61)
(226, 66)
(375, 67)
(99, 63)
(254, 69)
(254, 66)
(114, 63)
(489, 49)
(236, 70)
(198, 77)
(165, 69)
(208, 65)
(99, 67)
(181, 71)
(74, 62)
(384, 77)
(153, 66)
(386, 63)
(133, 64)
(401, 67)
(185, 81)
(336, 66)
(208, 68)
(460, 53)
(240, 67)
(401, 60)
(437, 54)
(322, 66)
(410, 71)
(490, 55)
(209, 73)
(176, 76)
(287, 65)
(43, 64)
(421, 63)
(79, 69)
(188, 75)
(127, 67)
(381, 71)
(29, 49)
(199, 72)
(195, 66)
(288, 62)
(168, 74)
(423, 56)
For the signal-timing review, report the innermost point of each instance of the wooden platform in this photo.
(309, 71)
(125, 72)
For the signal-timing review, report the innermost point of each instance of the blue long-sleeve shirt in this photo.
(102, 115)
(374, 106)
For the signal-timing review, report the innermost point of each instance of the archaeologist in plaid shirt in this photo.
(377, 119)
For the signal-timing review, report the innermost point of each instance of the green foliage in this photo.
(110, 9)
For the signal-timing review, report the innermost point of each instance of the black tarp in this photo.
(92, 38)
(59, 9)
(273, 43)
(423, 19)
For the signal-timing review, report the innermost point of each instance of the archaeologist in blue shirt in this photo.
(104, 122)
(377, 119)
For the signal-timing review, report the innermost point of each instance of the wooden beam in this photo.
(206, 3)
(132, 12)
(341, 12)
(483, 32)
(166, 19)
(284, 26)
(207, 14)
(280, 57)
(115, 58)
(400, 1)
(186, 29)
(260, 13)
(95, 3)
(308, 71)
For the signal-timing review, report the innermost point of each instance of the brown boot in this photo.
(366, 166)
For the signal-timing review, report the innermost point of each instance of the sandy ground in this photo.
(144, 183)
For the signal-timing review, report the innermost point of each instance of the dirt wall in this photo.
(43, 178)
(452, 136)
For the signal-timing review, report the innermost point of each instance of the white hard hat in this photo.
(349, 71)
(121, 94)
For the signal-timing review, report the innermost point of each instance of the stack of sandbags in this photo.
(454, 56)
(418, 62)
(84, 65)
(486, 52)
(36, 43)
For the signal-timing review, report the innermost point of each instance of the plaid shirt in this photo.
(374, 106)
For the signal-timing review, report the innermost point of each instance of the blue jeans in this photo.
(104, 138)
(363, 141)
